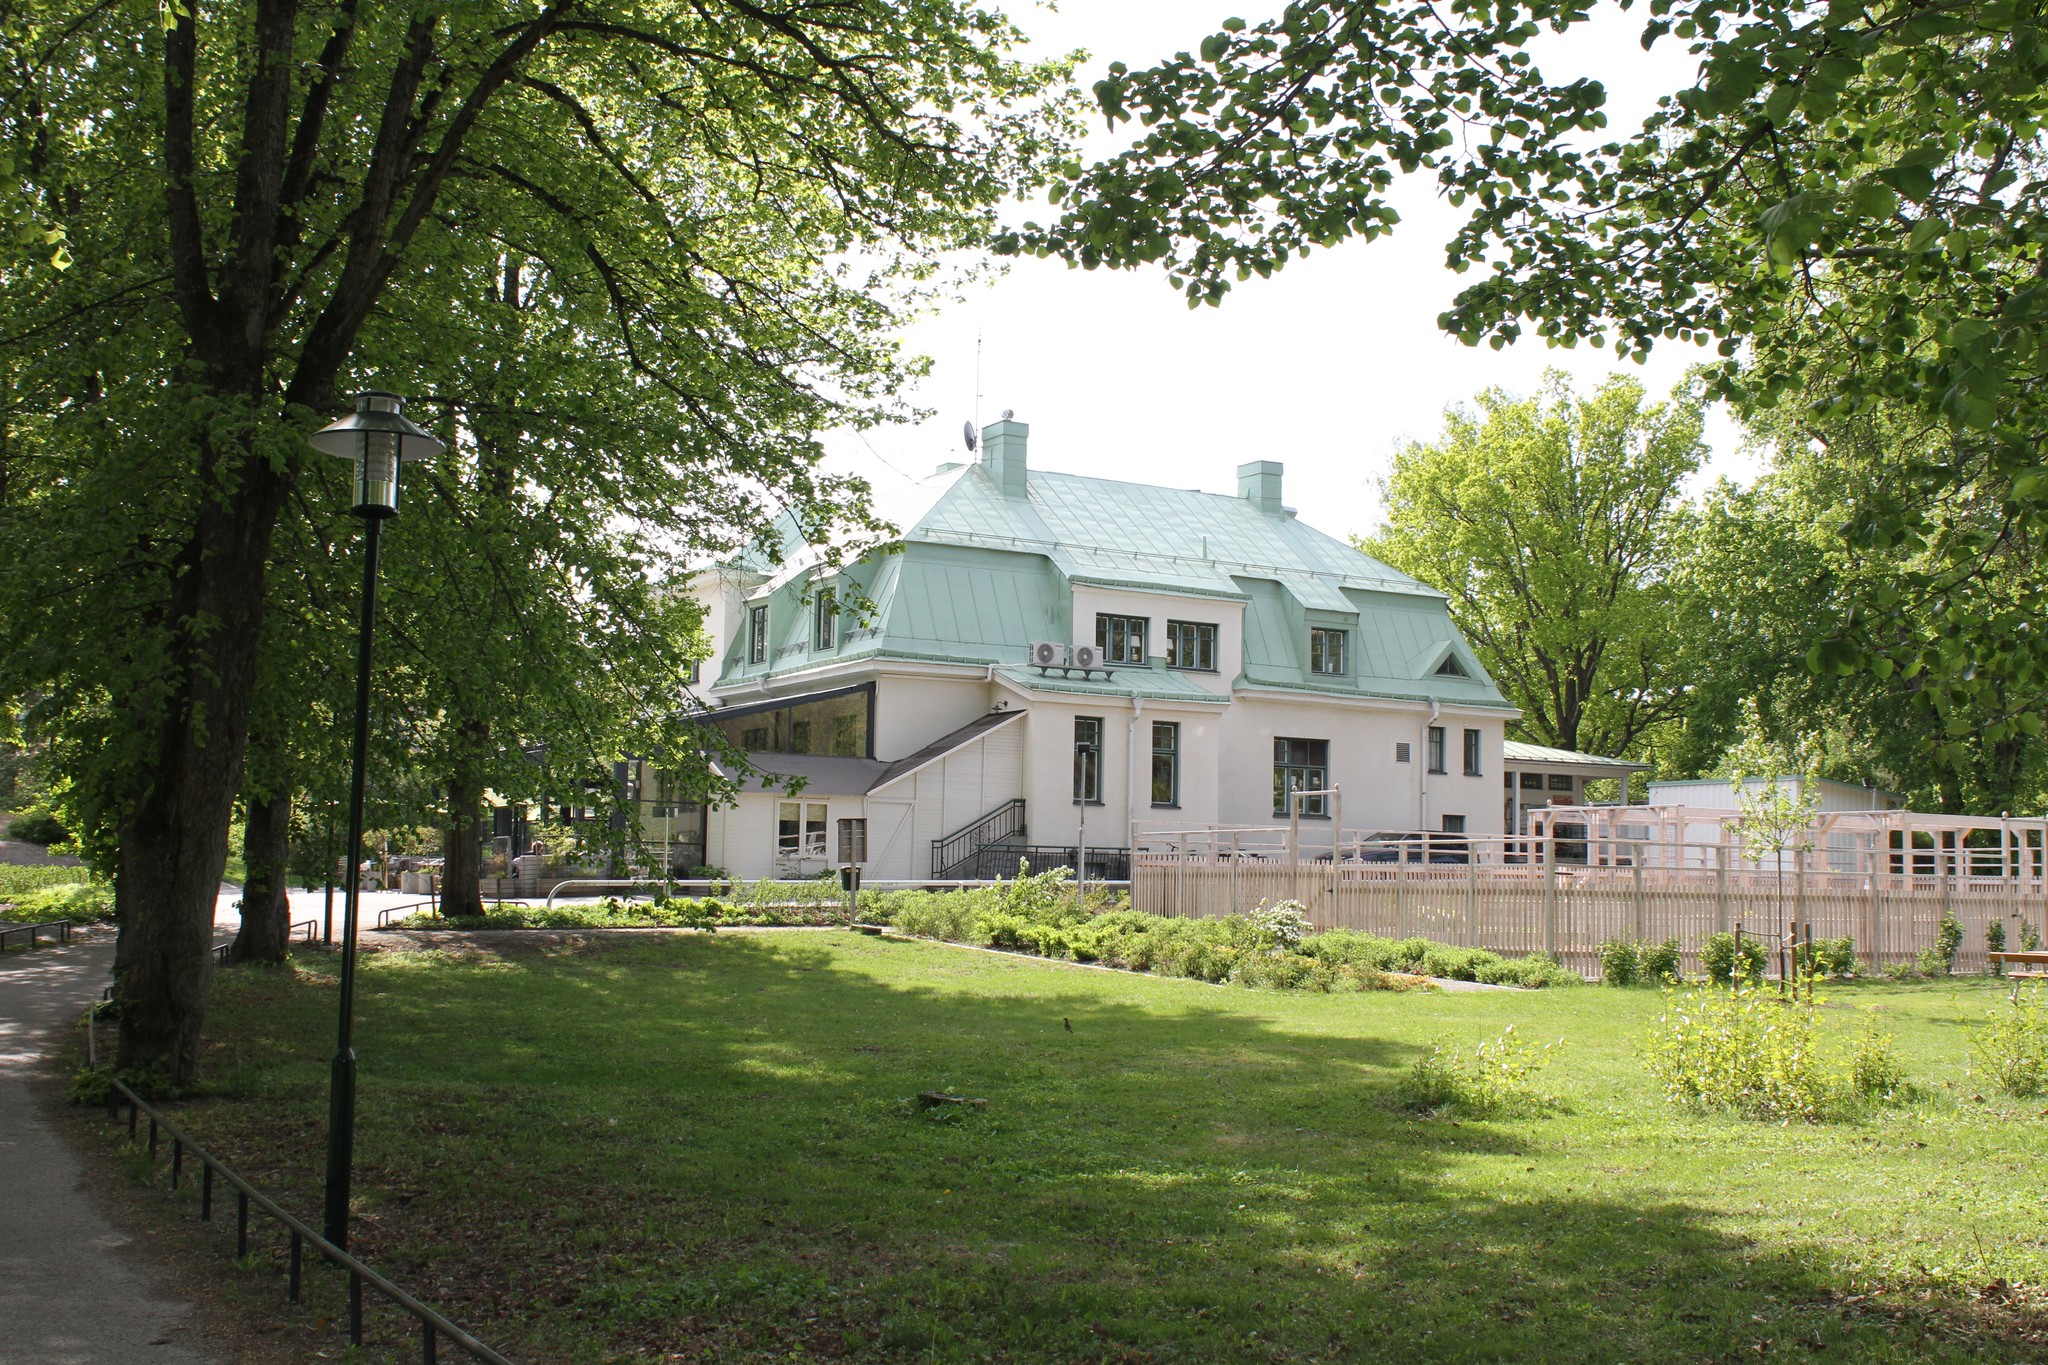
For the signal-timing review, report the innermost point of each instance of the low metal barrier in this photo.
(384, 915)
(433, 1326)
(61, 926)
(311, 933)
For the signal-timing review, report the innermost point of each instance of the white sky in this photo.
(1329, 366)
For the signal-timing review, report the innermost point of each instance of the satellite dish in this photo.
(967, 431)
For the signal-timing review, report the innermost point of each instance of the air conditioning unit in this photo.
(1046, 654)
(1086, 657)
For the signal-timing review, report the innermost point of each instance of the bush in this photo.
(1994, 942)
(1717, 959)
(2012, 1048)
(2030, 937)
(37, 827)
(1948, 940)
(1495, 1078)
(1719, 1051)
(1279, 926)
(1931, 962)
(1659, 961)
(1621, 964)
(1875, 1071)
(88, 901)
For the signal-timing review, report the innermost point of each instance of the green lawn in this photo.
(704, 1147)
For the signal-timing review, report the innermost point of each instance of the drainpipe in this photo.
(1435, 709)
(1131, 774)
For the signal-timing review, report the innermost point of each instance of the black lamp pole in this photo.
(379, 439)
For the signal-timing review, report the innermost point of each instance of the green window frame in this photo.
(1301, 765)
(1121, 638)
(1088, 760)
(825, 619)
(757, 635)
(1327, 651)
(1166, 763)
(1191, 645)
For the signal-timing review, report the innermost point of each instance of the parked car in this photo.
(1387, 845)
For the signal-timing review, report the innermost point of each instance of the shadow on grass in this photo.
(710, 1147)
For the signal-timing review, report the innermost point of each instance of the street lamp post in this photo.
(378, 438)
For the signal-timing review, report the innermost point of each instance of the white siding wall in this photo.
(941, 797)
(1159, 608)
(911, 711)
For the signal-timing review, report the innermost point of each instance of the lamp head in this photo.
(377, 437)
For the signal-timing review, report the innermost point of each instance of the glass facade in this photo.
(834, 725)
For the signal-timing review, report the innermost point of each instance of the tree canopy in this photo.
(718, 212)
(1554, 524)
(1848, 205)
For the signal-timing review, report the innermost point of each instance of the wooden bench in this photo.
(2032, 965)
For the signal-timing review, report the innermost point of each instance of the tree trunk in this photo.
(266, 901)
(174, 839)
(461, 892)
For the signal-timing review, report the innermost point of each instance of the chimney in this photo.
(1259, 483)
(1002, 453)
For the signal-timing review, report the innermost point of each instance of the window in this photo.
(1402, 753)
(1121, 638)
(1532, 782)
(1471, 753)
(824, 619)
(1301, 765)
(1436, 749)
(1454, 824)
(1326, 651)
(800, 829)
(757, 635)
(1165, 763)
(1191, 644)
(1451, 668)
(1088, 760)
(1560, 782)
(695, 673)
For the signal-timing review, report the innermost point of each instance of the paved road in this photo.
(68, 1294)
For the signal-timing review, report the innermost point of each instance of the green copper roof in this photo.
(979, 575)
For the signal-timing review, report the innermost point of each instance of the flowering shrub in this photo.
(1718, 1051)
(1494, 1078)
(2011, 1048)
(1279, 926)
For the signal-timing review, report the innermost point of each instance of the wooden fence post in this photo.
(1874, 908)
(1720, 888)
(1401, 892)
(1642, 911)
(1471, 896)
(1550, 891)
(1798, 892)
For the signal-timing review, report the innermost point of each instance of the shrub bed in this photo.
(1270, 947)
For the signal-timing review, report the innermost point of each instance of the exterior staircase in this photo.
(959, 854)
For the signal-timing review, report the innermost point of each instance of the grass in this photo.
(706, 1147)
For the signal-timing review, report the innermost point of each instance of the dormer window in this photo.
(1451, 668)
(1121, 638)
(757, 635)
(1326, 651)
(825, 620)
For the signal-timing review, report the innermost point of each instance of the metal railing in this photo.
(62, 926)
(384, 915)
(960, 848)
(311, 934)
(433, 1326)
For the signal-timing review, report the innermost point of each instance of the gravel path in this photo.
(69, 1294)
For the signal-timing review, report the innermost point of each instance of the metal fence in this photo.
(1522, 896)
(212, 1170)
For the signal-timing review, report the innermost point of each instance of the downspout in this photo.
(1131, 776)
(1435, 709)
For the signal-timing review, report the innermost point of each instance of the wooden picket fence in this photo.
(1891, 907)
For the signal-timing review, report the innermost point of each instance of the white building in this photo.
(1243, 656)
